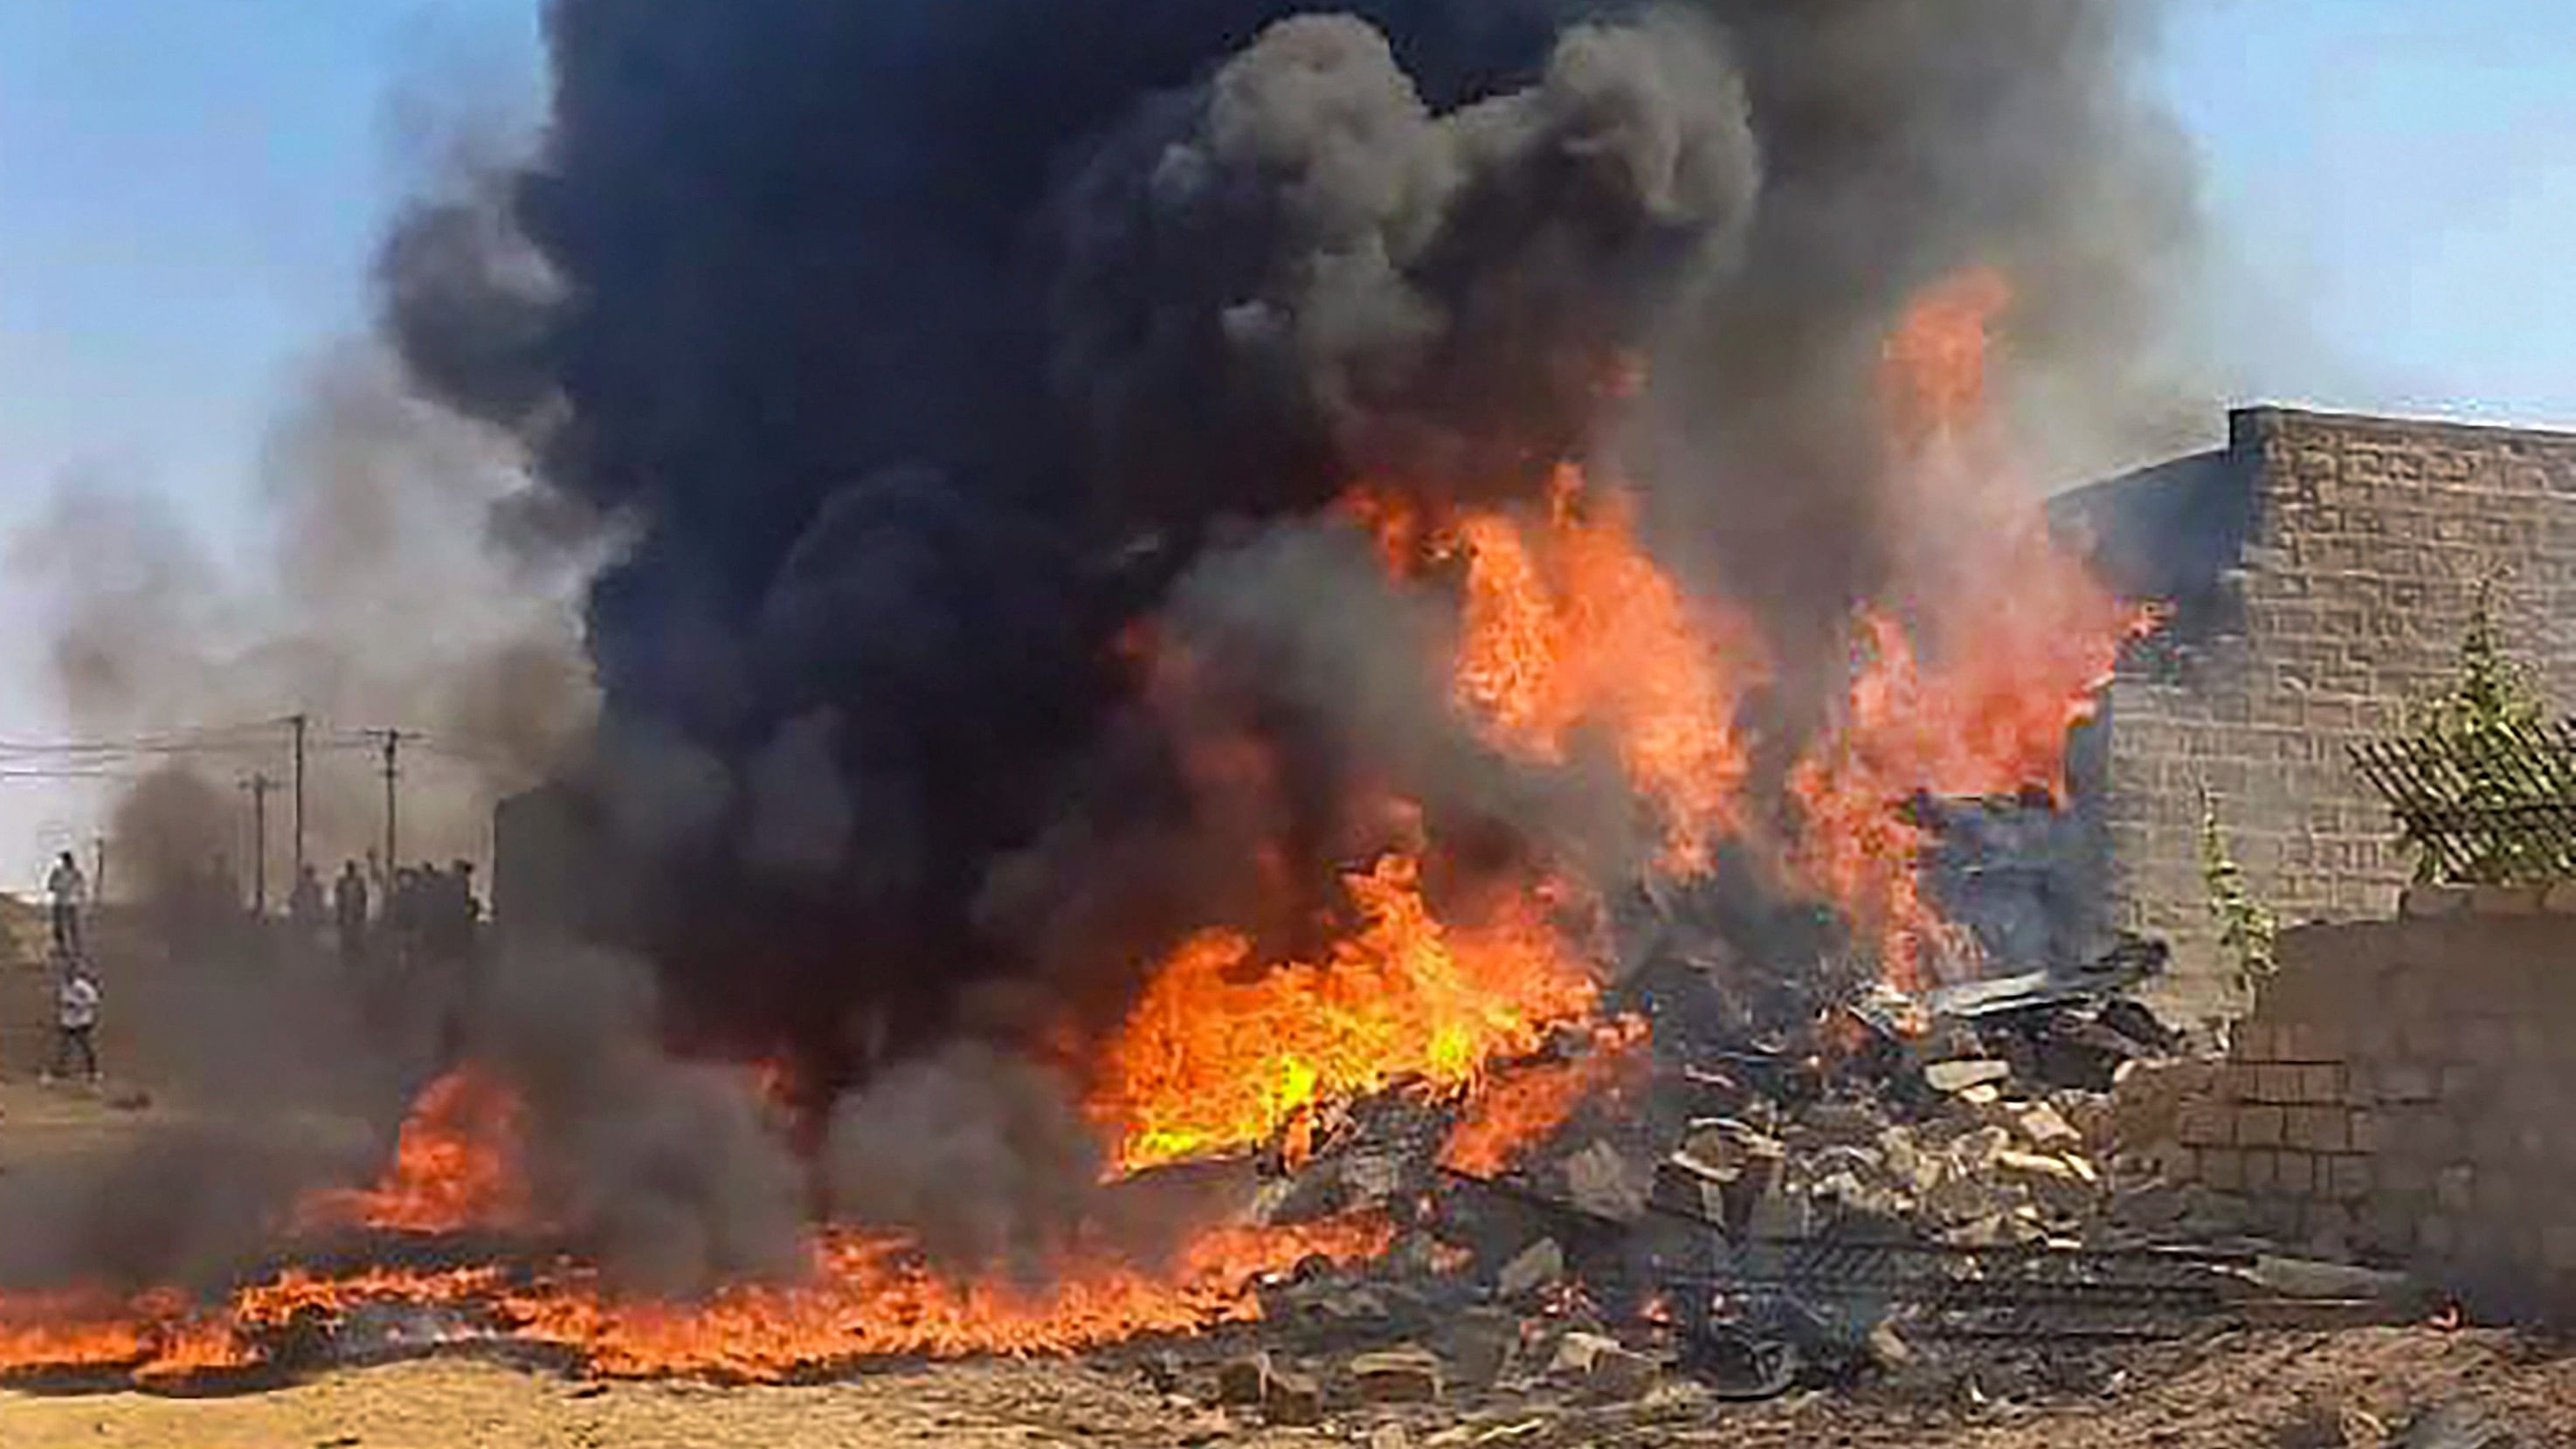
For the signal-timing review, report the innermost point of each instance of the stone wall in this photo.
(2349, 555)
(2403, 1091)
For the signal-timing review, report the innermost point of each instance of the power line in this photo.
(247, 735)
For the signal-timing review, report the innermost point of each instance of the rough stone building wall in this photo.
(2322, 569)
(2401, 1090)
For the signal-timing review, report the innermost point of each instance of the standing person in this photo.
(403, 917)
(70, 891)
(456, 913)
(304, 908)
(349, 906)
(76, 1020)
(469, 909)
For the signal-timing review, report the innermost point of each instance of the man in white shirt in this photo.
(76, 1002)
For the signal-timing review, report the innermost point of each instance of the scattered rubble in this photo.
(1849, 1189)
(1537, 1266)
(1406, 1375)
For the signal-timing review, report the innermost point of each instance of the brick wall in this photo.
(2402, 1090)
(2342, 598)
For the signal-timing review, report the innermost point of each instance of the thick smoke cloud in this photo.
(1299, 274)
(662, 1171)
(952, 392)
(918, 354)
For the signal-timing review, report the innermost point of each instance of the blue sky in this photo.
(189, 190)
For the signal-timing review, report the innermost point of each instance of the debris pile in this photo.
(1769, 1189)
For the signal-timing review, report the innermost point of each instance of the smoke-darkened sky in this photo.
(190, 196)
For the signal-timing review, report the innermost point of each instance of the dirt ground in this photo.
(2356, 1387)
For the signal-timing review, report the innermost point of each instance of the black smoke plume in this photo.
(920, 350)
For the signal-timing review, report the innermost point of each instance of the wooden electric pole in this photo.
(392, 772)
(299, 722)
(259, 785)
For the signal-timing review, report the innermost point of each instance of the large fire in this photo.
(1215, 1058)
(1568, 622)
(1997, 645)
(1573, 644)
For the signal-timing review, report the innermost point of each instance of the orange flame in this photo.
(1395, 522)
(1517, 1109)
(1210, 1061)
(866, 1296)
(1573, 623)
(2022, 636)
(456, 1164)
(1935, 360)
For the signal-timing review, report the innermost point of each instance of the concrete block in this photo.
(2223, 1169)
(2348, 1178)
(2240, 1081)
(2360, 1085)
(2295, 1041)
(2320, 1129)
(2277, 1084)
(2261, 1126)
(2294, 1174)
(2363, 1131)
(1293, 1401)
(2320, 1084)
(2262, 1173)
(1397, 1376)
(2207, 1125)
(2251, 1042)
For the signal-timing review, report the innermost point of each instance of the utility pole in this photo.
(259, 785)
(299, 722)
(393, 772)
